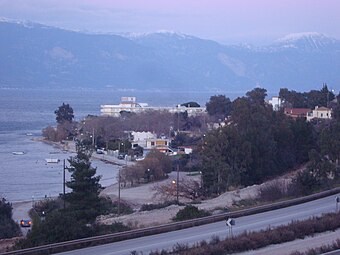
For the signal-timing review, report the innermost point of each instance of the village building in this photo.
(320, 113)
(140, 138)
(276, 103)
(130, 104)
(297, 112)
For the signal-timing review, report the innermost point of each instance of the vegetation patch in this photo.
(190, 212)
(150, 207)
(8, 228)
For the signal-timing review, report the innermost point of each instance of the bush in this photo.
(62, 225)
(48, 205)
(124, 208)
(190, 212)
(150, 207)
(273, 191)
(108, 229)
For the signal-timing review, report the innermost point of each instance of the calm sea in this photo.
(29, 177)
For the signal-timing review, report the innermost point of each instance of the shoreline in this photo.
(69, 146)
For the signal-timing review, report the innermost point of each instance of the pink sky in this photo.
(228, 21)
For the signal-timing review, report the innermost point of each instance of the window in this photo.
(152, 143)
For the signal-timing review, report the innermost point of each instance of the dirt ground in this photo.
(7, 243)
(145, 194)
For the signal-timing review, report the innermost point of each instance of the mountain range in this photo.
(37, 56)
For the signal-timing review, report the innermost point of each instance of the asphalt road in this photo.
(20, 212)
(205, 232)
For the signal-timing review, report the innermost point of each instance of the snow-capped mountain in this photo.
(310, 41)
(33, 56)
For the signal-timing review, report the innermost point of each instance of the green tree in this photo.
(304, 139)
(292, 98)
(225, 157)
(257, 95)
(336, 109)
(84, 199)
(58, 226)
(64, 113)
(219, 106)
(8, 228)
(254, 122)
(330, 143)
(257, 144)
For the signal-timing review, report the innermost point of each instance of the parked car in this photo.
(25, 223)
(121, 156)
(100, 151)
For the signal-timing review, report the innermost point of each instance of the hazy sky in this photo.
(227, 21)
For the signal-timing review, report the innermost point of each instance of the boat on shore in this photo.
(52, 160)
(18, 152)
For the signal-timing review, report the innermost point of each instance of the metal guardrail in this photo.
(109, 238)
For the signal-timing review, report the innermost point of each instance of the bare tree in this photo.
(50, 133)
(132, 174)
(189, 189)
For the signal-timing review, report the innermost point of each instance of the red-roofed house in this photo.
(297, 112)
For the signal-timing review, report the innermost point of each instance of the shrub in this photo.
(273, 191)
(108, 229)
(47, 206)
(124, 208)
(190, 212)
(150, 207)
(8, 228)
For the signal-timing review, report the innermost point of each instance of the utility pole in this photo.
(177, 184)
(337, 201)
(118, 192)
(64, 180)
(119, 181)
(93, 138)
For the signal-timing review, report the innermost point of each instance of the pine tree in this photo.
(64, 113)
(84, 200)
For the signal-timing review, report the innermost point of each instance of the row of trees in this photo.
(309, 99)
(108, 130)
(258, 143)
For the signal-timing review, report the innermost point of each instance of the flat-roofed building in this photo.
(129, 104)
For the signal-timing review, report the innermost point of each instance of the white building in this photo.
(320, 113)
(141, 138)
(129, 104)
(276, 102)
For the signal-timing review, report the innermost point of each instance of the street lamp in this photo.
(177, 185)
(148, 174)
(119, 144)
